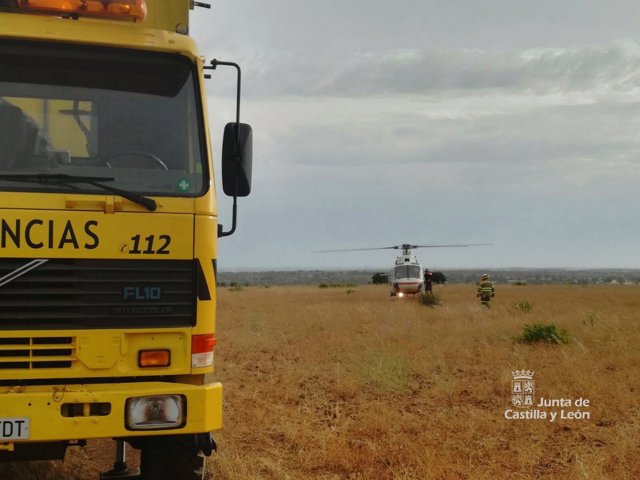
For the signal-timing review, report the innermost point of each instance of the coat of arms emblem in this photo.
(523, 389)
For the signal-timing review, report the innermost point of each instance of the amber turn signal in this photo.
(154, 358)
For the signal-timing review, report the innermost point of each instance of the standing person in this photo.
(428, 281)
(486, 290)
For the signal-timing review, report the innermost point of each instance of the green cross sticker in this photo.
(184, 185)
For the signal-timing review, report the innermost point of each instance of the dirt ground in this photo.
(345, 383)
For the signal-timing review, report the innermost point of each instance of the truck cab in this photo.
(108, 234)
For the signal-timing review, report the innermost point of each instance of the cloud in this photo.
(499, 139)
(530, 112)
(596, 69)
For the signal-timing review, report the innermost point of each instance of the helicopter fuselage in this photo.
(406, 278)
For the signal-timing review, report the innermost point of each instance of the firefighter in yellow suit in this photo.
(486, 290)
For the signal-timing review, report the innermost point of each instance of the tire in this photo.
(172, 458)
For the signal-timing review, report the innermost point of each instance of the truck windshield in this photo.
(127, 115)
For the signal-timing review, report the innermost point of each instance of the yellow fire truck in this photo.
(108, 233)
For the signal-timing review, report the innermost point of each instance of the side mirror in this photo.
(237, 151)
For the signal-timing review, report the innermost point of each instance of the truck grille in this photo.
(72, 293)
(30, 353)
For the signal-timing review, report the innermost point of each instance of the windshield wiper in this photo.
(63, 179)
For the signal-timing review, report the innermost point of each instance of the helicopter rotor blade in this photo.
(405, 246)
(356, 249)
(450, 245)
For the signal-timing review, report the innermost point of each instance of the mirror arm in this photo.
(234, 218)
(214, 63)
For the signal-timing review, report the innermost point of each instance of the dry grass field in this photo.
(344, 383)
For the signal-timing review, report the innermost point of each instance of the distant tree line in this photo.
(438, 277)
(470, 276)
(380, 277)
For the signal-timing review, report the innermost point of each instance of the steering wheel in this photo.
(134, 153)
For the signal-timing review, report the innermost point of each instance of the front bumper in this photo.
(44, 407)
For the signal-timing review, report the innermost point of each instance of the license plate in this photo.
(14, 428)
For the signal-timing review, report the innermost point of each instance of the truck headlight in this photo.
(155, 412)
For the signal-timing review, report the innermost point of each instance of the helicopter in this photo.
(407, 275)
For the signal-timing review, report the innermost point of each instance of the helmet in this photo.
(484, 277)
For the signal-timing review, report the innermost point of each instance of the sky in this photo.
(431, 122)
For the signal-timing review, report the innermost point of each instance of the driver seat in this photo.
(13, 135)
